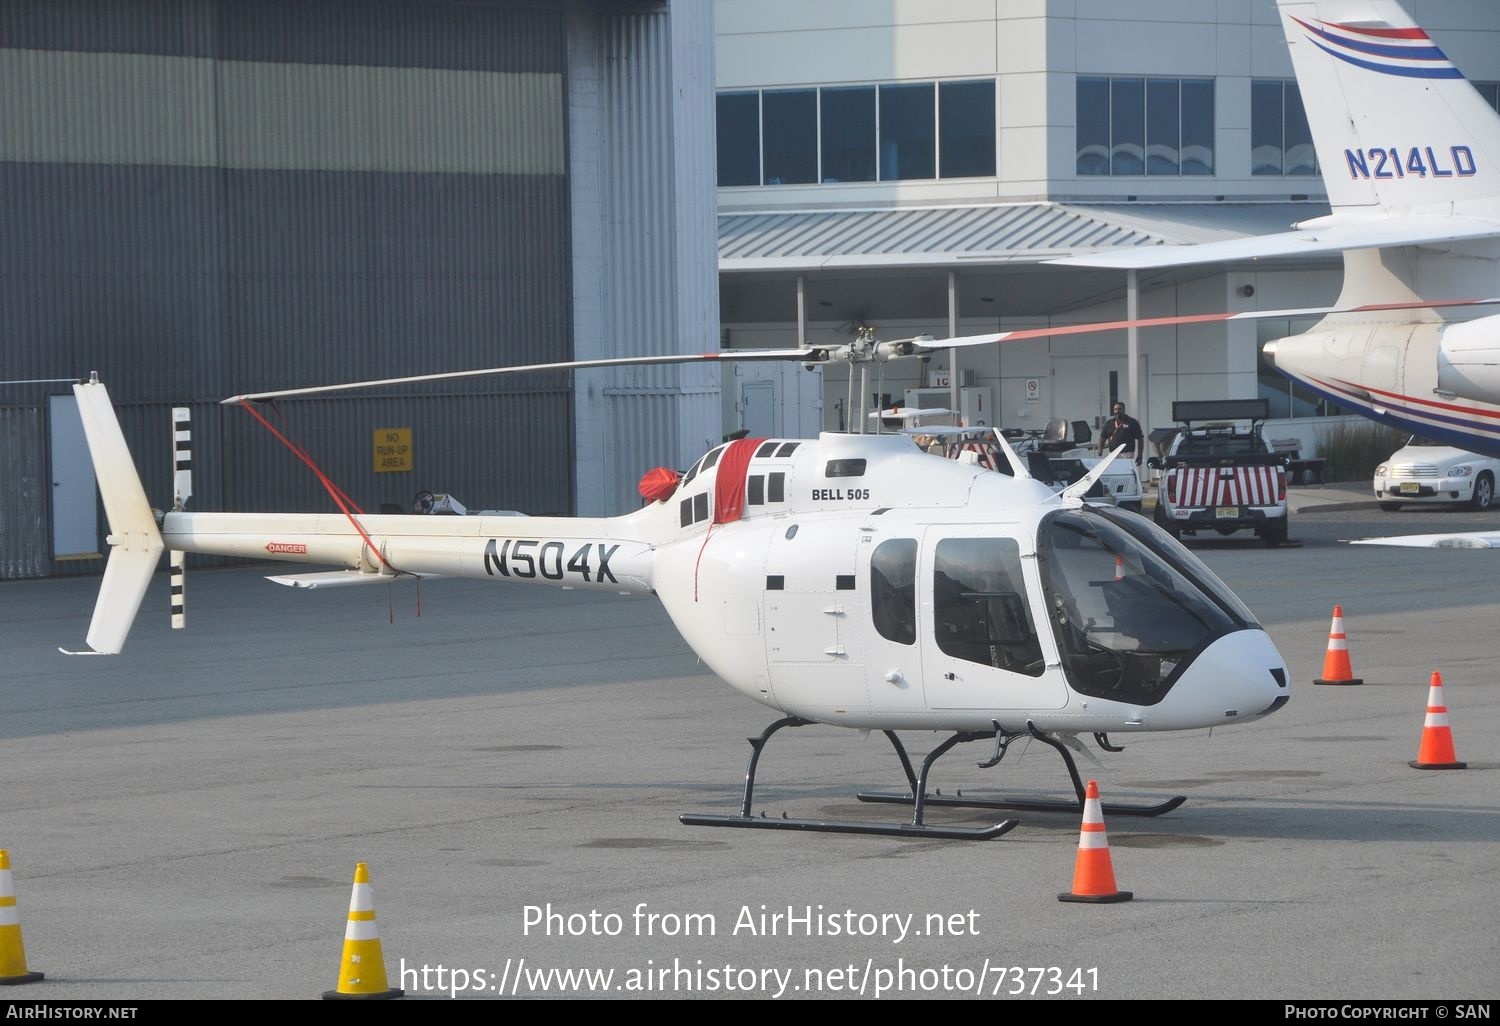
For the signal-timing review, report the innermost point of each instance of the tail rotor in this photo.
(182, 491)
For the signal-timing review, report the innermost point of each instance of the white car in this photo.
(1430, 473)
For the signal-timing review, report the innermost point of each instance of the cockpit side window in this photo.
(893, 590)
(980, 611)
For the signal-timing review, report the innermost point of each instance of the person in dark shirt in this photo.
(1123, 429)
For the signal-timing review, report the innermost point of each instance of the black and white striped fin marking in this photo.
(182, 491)
(179, 585)
(182, 457)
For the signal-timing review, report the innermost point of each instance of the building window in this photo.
(848, 134)
(739, 138)
(1127, 126)
(891, 132)
(966, 129)
(908, 132)
(791, 136)
(1145, 126)
(1093, 126)
(1280, 141)
(1197, 126)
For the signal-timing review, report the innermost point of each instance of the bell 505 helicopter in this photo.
(853, 580)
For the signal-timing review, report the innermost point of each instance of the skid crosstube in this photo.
(1003, 739)
(916, 780)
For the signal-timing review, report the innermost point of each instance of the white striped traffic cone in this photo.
(1436, 751)
(1094, 874)
(12, 952)
(1336, 666)
(362, 970)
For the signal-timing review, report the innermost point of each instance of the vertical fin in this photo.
(135, 542)
(1396, 126)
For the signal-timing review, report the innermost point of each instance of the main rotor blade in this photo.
(1162, 322)
(919, 344)
(619, 361)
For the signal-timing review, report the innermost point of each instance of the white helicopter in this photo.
(852, 580)
(855, 580)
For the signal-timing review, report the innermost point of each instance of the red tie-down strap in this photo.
(344, 503)
(729, 491)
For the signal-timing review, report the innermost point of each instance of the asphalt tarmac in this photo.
(184, 820)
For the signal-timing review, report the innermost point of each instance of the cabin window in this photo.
(767, 449)
(755, 490)
(712, 457)
(893, 590)
(980, 610)
(787, 448)
(776, 488)
(844, 468)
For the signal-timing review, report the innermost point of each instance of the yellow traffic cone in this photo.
(362, 971)
(12, 951)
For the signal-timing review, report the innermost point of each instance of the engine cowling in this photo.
(1469, 359)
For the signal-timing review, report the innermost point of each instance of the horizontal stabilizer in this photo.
(341, 578)
(1335, 237)
(1476, 540)
(126, 577)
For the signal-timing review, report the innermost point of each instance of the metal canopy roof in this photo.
(810, 240)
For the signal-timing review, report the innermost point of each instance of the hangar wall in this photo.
(209, 197)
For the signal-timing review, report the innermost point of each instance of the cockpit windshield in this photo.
(1128, 608)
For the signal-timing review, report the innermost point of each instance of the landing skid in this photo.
(917, 781)
(1002, 740)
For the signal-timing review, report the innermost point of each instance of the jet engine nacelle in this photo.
(1468, 359)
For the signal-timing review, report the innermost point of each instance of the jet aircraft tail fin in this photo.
(1396, 126)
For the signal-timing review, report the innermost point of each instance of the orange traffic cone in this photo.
(1336, 668)
(1437, 740)
(362, 971)
(12, 951)
(1094, 875)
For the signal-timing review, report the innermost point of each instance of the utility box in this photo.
(975, 408)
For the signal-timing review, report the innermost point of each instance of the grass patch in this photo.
(1351, 452)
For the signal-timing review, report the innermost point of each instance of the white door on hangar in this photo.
(1084, 387)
